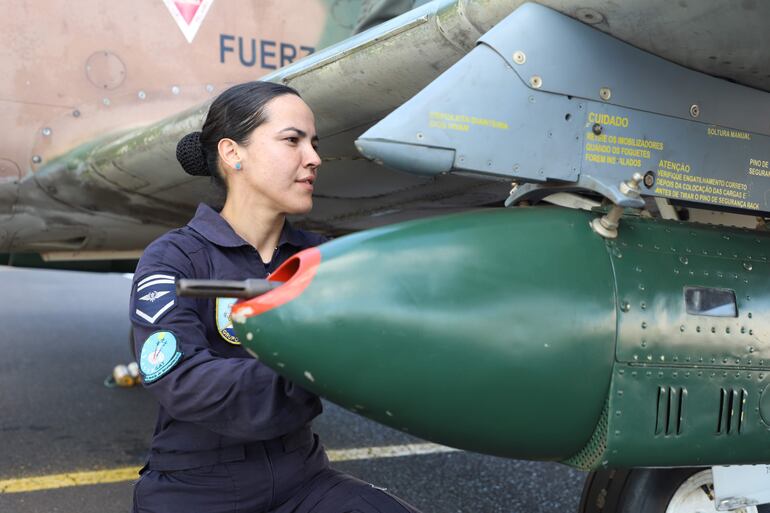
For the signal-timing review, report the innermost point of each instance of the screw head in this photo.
(209, 88)
(141, 95)
(76, 113)
(106, 102)
(649, 179)
(536, 82)
(37, 159)
(519, 57)
(596, 129)
(605, 93)
(694, 110)
(47, 131)
(175, 90)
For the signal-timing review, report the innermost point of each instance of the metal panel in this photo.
(703, 437)
(652, 273)
(572, 58)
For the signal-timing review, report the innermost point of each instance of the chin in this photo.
(300, 208)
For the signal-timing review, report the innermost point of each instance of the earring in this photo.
(238, 166)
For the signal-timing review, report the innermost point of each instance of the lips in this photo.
(307, 182)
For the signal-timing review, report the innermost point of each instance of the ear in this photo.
(228, 153)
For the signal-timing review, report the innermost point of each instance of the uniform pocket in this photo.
(208, 489)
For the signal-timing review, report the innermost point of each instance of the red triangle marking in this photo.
(187, 10)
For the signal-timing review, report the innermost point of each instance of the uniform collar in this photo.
(211, 225)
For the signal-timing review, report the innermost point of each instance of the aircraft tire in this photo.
(645, 491)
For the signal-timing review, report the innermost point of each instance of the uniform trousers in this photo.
(299, 481)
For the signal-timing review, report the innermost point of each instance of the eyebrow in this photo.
(301, 133)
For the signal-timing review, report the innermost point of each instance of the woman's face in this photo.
(280, 163)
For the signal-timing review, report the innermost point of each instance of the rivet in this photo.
(106, 102)
(142, 95)
(47, 131)
(590, 16)
(596, 129)
(536, 82)
(76, 113)
(519, 57)
(37, 159)
(175, 90)
(420, 136)
(209, 88)
(694, 110)
(605, 93)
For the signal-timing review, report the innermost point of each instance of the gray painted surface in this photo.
(545, 98)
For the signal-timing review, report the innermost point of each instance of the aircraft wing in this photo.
(115, 194)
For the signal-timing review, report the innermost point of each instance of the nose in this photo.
(312, 159)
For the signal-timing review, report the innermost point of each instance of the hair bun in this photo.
(189, 153)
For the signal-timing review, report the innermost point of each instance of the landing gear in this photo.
(677, 490)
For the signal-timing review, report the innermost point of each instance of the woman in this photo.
(231, 434)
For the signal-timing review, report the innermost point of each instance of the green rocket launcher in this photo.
(595, 338)
(523, 333)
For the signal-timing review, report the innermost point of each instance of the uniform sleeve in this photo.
(235, 397)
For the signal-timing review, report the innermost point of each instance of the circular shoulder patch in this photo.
(159, 355)
(224, 306)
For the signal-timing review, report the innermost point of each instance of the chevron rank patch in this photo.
(159, 355)
(155, 296)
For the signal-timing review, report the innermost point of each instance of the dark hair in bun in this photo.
(234, 114)
(189, 153)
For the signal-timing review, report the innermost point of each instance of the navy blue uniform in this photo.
(231, 434)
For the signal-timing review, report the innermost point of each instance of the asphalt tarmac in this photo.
(61, 333)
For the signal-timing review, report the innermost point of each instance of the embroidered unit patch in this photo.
(224, 306)
(155, 295)
(159, 355)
